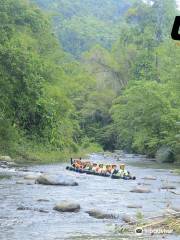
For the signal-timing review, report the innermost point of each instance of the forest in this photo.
(89, 75)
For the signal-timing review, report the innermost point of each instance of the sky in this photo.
(178, 3)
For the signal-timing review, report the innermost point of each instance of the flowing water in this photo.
(93, 192)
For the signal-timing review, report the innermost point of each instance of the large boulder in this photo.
(100, 215)
(67, 207)
(140, 190)
(47, 179)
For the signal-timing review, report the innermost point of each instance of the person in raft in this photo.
(100, 168)
(122, 172)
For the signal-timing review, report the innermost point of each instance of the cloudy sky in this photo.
(178, 3)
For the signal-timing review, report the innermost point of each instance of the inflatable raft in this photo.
(113, 176)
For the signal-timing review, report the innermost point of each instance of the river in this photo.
(93, 192)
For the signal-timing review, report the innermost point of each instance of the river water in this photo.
(94, 192)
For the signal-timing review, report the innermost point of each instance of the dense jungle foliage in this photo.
(81, 24)
(80, 73)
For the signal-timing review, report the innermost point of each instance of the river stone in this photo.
(22, 208)
(140, 190)
(25, 182)
(134, 206)
(144, 184)
(32, 176)
(175, 192)
(5, 158)
(57, 180)
(100, 215)
(176, 208)
(12, 164)
(3, 166)
(168, 187)
(150, 178)
(67, 207)
(42, 200)
(128, 219)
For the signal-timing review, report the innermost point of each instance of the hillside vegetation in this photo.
(40, 84)
(81, 74)
(81, 24)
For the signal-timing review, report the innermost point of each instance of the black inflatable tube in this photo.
(86, 171)
(99, 174)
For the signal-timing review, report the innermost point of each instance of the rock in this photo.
(168, 187)
(144, 184)
(149, 178)
(24, 170)
(32, 176)
(134, 206)
(3, 162)
(140, 190)
(175, 172)
(20, 182)
(22, 208)
(100, 215)
(67, 207)
(176, 208)
(12, 164)
(25, 182)
(3, 166)
(5, 158)
(128, 219)
(42, 200)
(47, 179)
(175, 192)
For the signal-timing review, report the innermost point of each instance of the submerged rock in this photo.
(100, 215)
(12, 164)
(176, 208)
(140, 190)
(47, 179)
(42, 200)
(128, 219)
(168, 187)
(134, 206)
(25, 182)
(144, 184)
(67, 207)
(149, 178)
(175, 192)
(22, 208)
